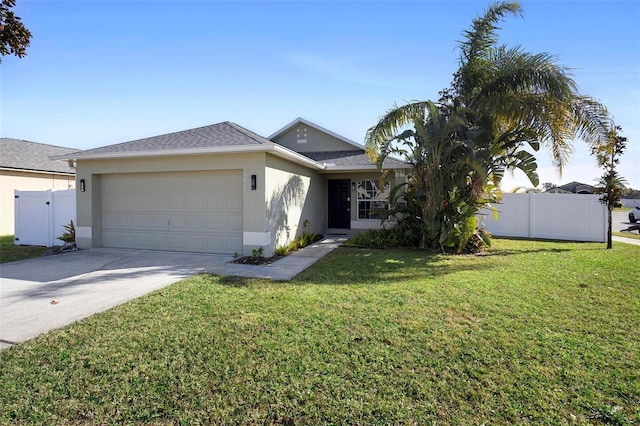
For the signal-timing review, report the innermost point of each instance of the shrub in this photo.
(376, 238)
(281, 251)
(69, 236)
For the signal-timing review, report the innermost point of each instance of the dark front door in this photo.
(339, 204)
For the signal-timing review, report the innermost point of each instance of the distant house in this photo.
(25, 166)
(572, 188)
(632, 199)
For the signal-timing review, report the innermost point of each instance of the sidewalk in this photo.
(625, 240)
(287, 267)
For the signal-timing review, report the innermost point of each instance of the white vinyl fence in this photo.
(41, 215)
(577, 217)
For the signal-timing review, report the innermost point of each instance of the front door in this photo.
(339, 204)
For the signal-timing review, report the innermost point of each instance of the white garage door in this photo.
(191, 211)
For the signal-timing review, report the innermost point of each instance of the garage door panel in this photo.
(233, 221)
(114, 238)
(144, 202)
(233, 184)
(195, 202)
(234, 201)
(218, 242)
(215, 202)
(122, 220)
(216, 222)
(191, 211)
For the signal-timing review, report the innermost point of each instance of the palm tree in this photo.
(510, 101)
(441, 161)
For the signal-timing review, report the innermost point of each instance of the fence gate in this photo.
(41, 215)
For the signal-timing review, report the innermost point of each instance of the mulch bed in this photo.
(256, 260)
(261, 260)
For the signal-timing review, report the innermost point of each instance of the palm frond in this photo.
(389, 125)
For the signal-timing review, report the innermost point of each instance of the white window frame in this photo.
(372, 195)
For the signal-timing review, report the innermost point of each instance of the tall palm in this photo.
(445, 175)
(513, 100)
(502, 104)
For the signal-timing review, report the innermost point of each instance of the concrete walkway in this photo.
(287, 267)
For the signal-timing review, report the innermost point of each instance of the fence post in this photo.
(532, 220)
(50, 216)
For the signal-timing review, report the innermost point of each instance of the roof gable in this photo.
(304, 136)
(33, 156)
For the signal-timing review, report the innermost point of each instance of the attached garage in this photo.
(180, 211)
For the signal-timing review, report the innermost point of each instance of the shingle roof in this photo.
(26, 155)
(574, 188)
(352, 158)
(216, 135)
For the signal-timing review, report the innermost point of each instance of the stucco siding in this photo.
(303, 138)
(88, 202)
(25, 181)
(294, 194)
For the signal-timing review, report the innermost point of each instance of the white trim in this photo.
(272, 148)
(331, 167)
(164, 153)
(289, 154)
(315, 126)
(42, 172)
(83, 231)
(358, 200)
(256, 238)
(366, 224)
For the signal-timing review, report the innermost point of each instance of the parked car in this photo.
(634, 215)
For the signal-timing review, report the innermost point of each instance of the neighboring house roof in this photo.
(573, 188)
(17, 154)
(228, 137)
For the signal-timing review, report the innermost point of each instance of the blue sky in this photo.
(103, 72)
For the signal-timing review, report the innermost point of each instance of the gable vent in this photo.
(301, 134)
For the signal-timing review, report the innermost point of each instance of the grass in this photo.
(11, 253)
(531, 333)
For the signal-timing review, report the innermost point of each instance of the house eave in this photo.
(273, 148)
(360, 168)
(47, 172)
(291, 155)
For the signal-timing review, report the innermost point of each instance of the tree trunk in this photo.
(609, 244)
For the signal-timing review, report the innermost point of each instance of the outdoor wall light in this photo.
(82, 185)
(353, 186)
(254, 182)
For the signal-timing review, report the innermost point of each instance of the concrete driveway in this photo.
(38, 295)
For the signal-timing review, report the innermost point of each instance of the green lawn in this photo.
(531, 333)
(11, 253)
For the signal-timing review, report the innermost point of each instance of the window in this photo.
(371, 199)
